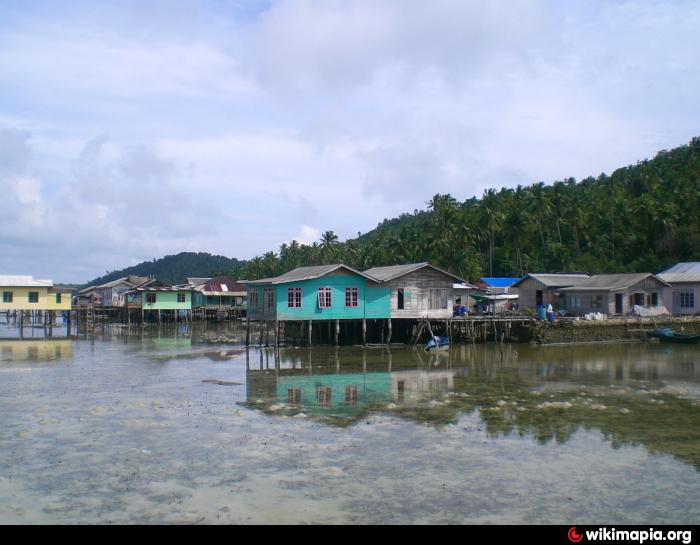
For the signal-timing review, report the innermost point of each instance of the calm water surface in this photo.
(150, 429)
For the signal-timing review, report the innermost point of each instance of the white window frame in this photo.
(352, 296)
(325, 298)
(294, 298)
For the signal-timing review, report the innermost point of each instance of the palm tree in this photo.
(329, 243)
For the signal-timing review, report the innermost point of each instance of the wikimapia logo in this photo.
(639, 536)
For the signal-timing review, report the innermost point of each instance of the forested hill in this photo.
(174, 269)
(641, 218)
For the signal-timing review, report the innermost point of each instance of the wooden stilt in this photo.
(337, 331)
(364, 331)
(388, 337)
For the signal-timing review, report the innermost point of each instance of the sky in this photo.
(130, 130)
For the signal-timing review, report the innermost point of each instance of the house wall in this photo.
(65, 303)
(648, 286)
(417, 286)
(527, 292)
(255, 312)
(371, 302)
(672, 299)
(20, 298)
(167, 300)
(337, 281)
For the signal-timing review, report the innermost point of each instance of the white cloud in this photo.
(130, 132)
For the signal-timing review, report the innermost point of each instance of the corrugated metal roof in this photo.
(307, 273)
(196, 281)
(23, 281)
(555, 280)
(221, 285)
(463, 286)
(499, 282)
(384, 274)
(681, 272)
(610, 282)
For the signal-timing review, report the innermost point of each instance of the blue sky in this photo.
(131, 130)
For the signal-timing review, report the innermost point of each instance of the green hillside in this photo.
(174, 269)
(641, 218)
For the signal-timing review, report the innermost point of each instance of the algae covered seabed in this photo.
(165, 428)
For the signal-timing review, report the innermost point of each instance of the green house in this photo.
(325, 292)
(165, 298)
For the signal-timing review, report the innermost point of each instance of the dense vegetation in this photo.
(174, 269)
(642, 218)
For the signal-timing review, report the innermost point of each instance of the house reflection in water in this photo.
(35, 350)
(345, 393)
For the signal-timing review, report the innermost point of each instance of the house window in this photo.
(438, 298)
(350, 297)
(181, 297)
(351, 395)
(324, 298)
(323, 396)
(58, 298)
(150, 298)
(269, 295)
(639, 299)
(687, 299)
(294, 297)
(573, 301)
(596, 301)
(254, 298)
(294, 396)
(654, 299)
(6, 296)
(33, 296)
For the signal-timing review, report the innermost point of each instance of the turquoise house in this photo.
(325, 292)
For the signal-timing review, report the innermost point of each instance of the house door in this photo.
(618, 303)
(538, 297)
(399, 304)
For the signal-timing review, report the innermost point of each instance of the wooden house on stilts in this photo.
(321, 298)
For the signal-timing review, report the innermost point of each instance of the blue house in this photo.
(321, 293)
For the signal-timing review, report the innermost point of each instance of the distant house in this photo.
(614, 294)
(25, 293)
(496, 294)
(109, 294)
(543, 289)
(496, 285)
(419, 290)
(684, 291)
(324, 292)
(162, 298)
(220, 292)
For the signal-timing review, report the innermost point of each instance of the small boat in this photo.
(437, 343)
(667, 335)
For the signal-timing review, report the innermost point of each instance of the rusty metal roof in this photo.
(221, 285)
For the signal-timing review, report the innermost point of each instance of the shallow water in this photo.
(150, 429)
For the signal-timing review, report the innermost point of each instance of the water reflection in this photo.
(634, 395)
(35, 350)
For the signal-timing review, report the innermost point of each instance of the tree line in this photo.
(642, 218)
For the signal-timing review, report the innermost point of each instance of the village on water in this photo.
(415, 303)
